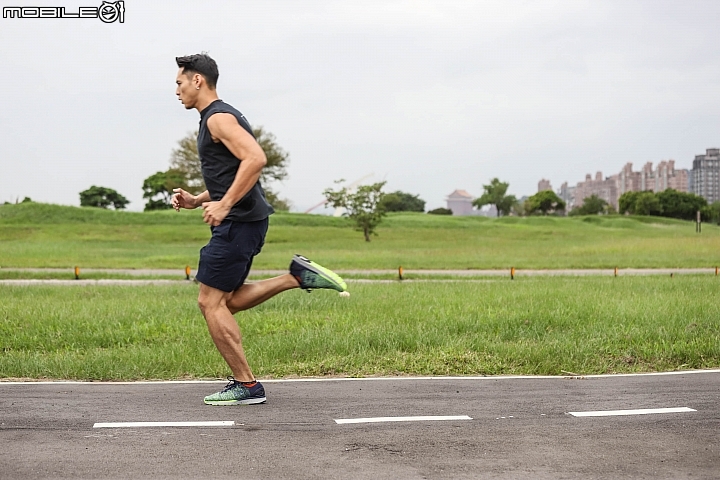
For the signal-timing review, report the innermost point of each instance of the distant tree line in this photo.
(368, 205)
(669, 203)
(17, 200)
(542, 203)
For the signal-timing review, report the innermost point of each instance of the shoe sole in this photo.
(247, 401)
(326, 273)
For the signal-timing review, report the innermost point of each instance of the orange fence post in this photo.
(187, 272)
(77, 273)
(400, 272)
(512, 273)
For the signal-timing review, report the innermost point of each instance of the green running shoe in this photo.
(310, 275)
(235, 393)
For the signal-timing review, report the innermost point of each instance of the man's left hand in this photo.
(214, 212)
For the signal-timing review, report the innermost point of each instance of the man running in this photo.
(235, 207)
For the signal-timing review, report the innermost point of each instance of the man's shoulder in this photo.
(226, 108)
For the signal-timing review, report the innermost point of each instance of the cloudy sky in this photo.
(430, 96)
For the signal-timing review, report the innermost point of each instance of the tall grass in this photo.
(38, 235)
(527, 326)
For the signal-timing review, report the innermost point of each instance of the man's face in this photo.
(186, 91)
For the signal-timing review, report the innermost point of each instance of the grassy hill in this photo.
(41, 235)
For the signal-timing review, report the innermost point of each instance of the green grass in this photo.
(493, 326)
(528, 326)
(39, 235)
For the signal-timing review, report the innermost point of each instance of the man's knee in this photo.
(210, 299)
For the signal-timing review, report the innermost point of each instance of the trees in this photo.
(681, 205)
(277, 158)
(402, 202)
(544, 202)
(592, 205)
(626, 202)
(185, 159)
(17, 200)
(495, 195)
(102, 197)
(668, 203)
(639, 203)
(362, 205)
(279, 204)
(162, 184)
(713, 212)
(647, 203)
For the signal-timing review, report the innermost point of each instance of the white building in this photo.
(460, 202)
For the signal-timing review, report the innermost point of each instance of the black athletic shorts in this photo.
(226, 260)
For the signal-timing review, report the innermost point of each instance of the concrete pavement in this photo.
(518, 428)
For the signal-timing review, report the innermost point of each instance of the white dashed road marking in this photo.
(401, 419)
(164, 424)
(640, 411)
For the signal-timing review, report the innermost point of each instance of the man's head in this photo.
(196, 78)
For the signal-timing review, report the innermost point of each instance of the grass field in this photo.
(532, 325)
(527, 326)
(38, 235)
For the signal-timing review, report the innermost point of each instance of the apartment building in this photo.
(705, 175)
(567, 193)
(660, 179)
(605, 188)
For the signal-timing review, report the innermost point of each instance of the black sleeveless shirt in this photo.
(219, 167)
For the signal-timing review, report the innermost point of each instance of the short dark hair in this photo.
(200, 63)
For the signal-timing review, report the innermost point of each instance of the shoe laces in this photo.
(231, 384)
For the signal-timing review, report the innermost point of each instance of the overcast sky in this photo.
(430, 96)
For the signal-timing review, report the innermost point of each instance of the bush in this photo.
(402, 202)
(102, 197)
(440, 211)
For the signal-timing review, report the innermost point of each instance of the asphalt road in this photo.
(517, 428)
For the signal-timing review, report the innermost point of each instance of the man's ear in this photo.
(197, 80)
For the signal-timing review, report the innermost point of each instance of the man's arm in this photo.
(225, 127)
